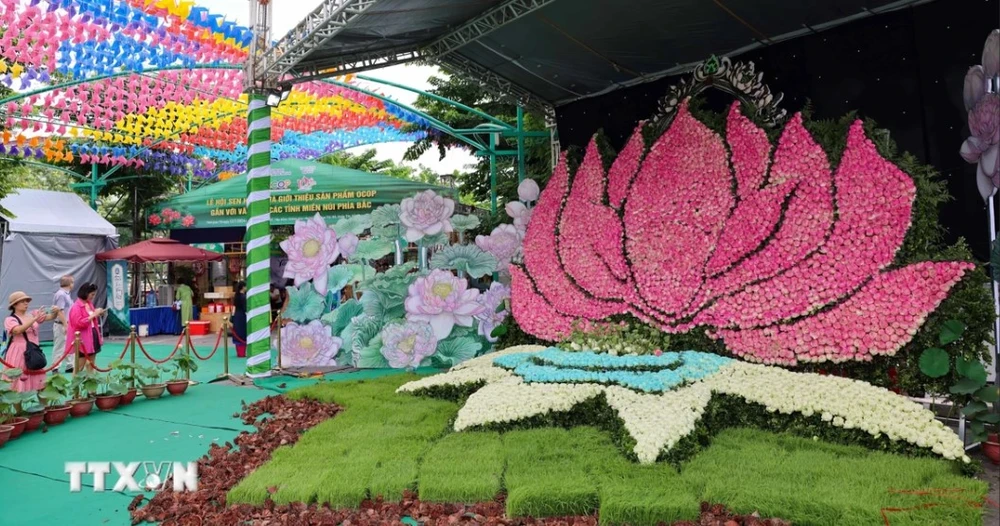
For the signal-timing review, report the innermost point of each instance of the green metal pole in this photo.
(520, 145)
(493, 182)
(93, 185)
(259, 237)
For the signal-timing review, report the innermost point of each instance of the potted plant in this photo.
(6, 412)
(182, 366)
(57, 389)
(34, 413)
(10, 404)
(109, 394)
(151, 386)
(83, 386)
(128, 378)
(991, 447)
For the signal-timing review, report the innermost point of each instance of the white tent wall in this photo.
(33, 263)
(50, 235)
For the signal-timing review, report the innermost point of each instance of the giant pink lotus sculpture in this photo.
(768, 249)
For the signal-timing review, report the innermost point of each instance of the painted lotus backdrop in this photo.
(414, 314)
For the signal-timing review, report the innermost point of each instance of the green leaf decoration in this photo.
(384, 216)
(353, 225)
(974, 407)
(436, 239)
(454, 351)
(971, 369)
(400, 271)
(966, 386)
(390, 233)
(338, 319)
(990, 394)
(371, 249)
(951, 331)
(990, 418)
(934, 362)
(338, 277)
(359, 272)
(304, 304)
(466, 258)
(464, 223)
(498, 331)
(371, 356)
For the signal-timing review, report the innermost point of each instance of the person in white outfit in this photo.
(64, 300)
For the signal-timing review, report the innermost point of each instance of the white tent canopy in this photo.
(49, 235)
(48, 212)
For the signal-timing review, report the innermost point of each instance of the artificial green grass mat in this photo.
(175, 428)
(383, 444)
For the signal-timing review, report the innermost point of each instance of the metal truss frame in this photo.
(333, 16)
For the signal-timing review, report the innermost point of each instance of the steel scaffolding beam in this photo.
(324, 23)
(484, 24)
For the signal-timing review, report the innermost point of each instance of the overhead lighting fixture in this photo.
(277, 96)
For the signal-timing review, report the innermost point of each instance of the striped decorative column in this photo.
(258, 237)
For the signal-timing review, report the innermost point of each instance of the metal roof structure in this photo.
(545, 53)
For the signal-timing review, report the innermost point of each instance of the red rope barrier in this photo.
(47, 370)
(165, 360)
(211, 354)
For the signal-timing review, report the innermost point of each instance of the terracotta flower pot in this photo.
(5, 432)
(81, 408)
(153, 391)
(34, 421)
(108, 402)
(56, 415)
(991, 448)
(19, 424)
(177, 387)
(129, 397)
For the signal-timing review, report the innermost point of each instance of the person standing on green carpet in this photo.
(186, 296)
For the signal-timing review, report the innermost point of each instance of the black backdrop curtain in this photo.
(903, 69)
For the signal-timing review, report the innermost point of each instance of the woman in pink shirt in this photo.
(22, 327)
(83, 318)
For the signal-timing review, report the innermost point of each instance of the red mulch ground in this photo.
(223, 467)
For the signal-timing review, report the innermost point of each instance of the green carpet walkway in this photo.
(34, 487)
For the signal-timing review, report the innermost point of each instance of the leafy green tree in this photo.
(475, 183)
(366, 162)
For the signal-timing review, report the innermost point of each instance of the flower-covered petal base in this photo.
(526, 382)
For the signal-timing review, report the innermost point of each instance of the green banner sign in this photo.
(211, 247)
(299, 190)
(118, 300)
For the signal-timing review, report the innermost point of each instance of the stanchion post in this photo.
(187, 349)
(225, 346)
(76, 352)
(131, 353)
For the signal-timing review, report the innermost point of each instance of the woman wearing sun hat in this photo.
(19, 324)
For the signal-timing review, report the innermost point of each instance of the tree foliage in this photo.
(475, 182)
(366, 162)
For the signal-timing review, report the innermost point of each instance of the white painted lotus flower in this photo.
(661, 399)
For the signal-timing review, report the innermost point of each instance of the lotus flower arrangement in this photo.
(407, 344)
(443, 301)
(309, 344)
(504, 243)
(983, 146)
(767, 248)
(492, 315)
(311, 251)
(426, 214)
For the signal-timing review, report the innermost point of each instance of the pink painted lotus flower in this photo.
(527, 191)
(769, 249)
(443, 301)
(348, 244)
(425, 214)
(503, 243)
(309, 345)
(306, 183)
(407, 344)
(311, 251)
(520, 214)
(489, 318)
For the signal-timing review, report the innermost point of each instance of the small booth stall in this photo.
(160, 319)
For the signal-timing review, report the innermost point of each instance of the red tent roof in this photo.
(159, 250)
